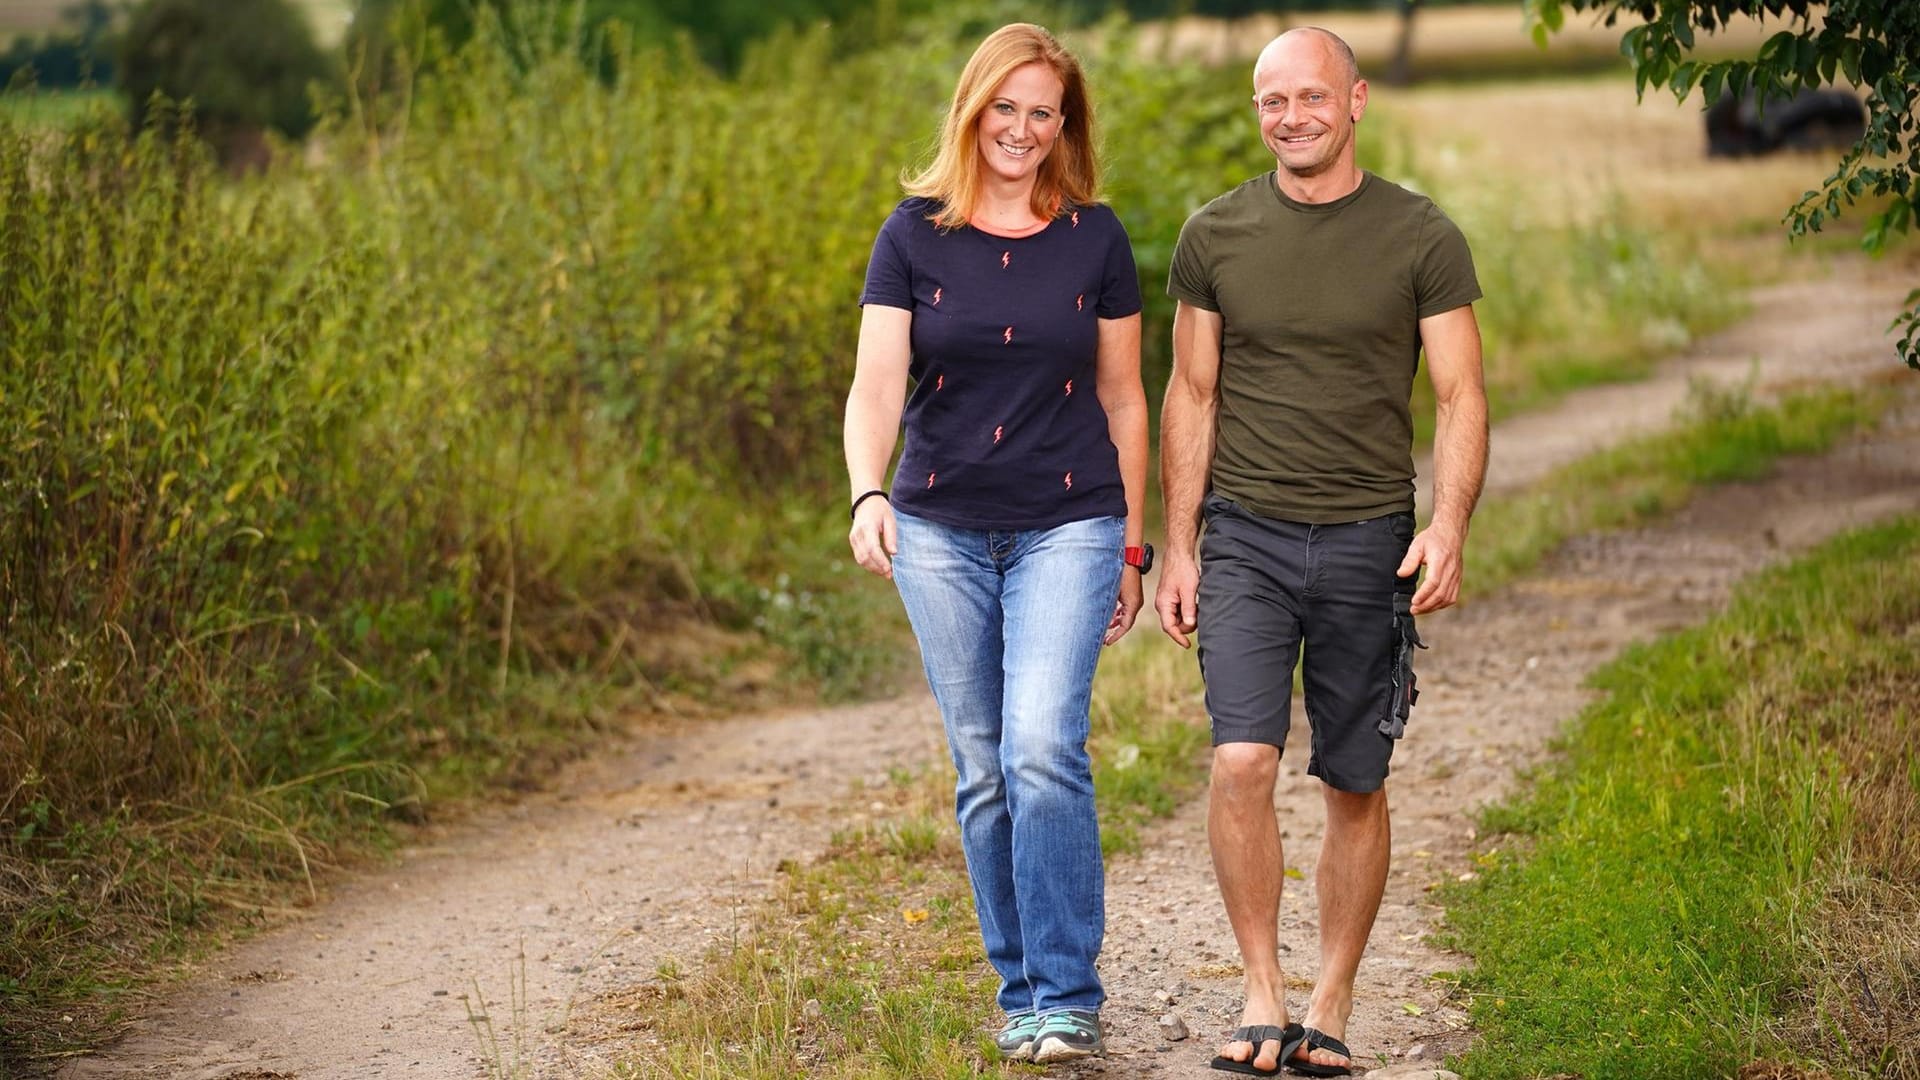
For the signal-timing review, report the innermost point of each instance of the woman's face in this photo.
(1021, 121)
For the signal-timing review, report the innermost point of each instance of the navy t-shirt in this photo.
(1003, 428)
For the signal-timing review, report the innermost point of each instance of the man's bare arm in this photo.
(1452, 343)
(1187, 430)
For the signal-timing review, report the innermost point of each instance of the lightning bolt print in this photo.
(936, 298)
(1069, 481)
(1069, 387)
(930, 477)
(1005, 258)
(1080, 302)
(997, 432)
(1008, 338)
(939, 384)
(1076, 219)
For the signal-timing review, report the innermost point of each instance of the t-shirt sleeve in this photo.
(1443, 277)
(1187, 279)
(889, 274)
(1120, 282)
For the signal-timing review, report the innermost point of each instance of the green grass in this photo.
(1149, 733)
(1663, 884)
(58, 109)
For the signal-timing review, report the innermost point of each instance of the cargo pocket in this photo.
(1404, 689)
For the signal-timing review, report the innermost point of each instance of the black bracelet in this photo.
(864, 496)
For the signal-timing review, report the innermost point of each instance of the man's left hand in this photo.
(1438, 548)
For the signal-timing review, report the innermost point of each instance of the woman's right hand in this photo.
(875, 537)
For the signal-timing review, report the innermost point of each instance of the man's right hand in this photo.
(1178, 599)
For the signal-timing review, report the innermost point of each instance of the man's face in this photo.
(1306, 107)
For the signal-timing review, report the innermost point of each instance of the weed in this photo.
(514, 1061)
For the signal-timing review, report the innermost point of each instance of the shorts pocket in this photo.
(1213, 505)
(1403, 690)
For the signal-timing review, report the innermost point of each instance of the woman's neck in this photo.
(1003, 209)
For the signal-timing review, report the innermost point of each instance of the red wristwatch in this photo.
(1140, 558)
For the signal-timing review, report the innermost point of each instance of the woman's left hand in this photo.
(1128, 607)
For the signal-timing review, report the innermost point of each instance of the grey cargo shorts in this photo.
(1269, 586)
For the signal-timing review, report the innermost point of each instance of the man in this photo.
(1305, 298)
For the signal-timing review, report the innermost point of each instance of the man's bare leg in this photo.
(1245, 841)
(1350, 879)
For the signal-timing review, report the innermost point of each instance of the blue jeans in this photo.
(1009, 625)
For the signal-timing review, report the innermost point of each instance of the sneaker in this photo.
(1064, 1036)
(1016, 1039)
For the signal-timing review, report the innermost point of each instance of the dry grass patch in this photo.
(329, 18)
(31, 16)
(1451, 39)
(865, 964)
(1865, 991)
(1580, 147)
(1651, 242)
(1779, 1070)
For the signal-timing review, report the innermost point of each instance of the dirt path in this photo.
(644, 856)
(647, 855)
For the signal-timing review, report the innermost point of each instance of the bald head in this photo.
(1308, 97)
(1310, 44)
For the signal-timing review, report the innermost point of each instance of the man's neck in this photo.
(1337, 182)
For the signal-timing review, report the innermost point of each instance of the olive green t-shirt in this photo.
(1320, 306)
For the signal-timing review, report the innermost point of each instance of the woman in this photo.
(1012, 528)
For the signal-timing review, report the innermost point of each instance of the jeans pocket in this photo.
(1404, 686)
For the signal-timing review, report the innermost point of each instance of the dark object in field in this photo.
(1809, 120)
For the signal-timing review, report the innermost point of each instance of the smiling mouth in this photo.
(1299, 140)
(1014, 151)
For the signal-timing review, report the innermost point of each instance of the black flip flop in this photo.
(1315, 1039)
(1289, 1038)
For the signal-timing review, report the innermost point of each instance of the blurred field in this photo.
(1577, 145)
(38, 16)
(30, 16)
(330, 17)
(1454, 38)
(1571, 192)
